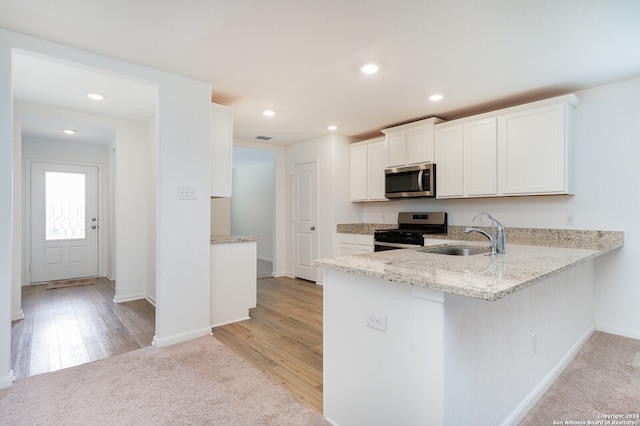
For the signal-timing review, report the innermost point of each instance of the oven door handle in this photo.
(396, 245)
(420, 180)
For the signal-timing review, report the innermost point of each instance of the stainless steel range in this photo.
(411, 228)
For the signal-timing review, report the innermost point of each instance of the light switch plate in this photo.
(187, 193)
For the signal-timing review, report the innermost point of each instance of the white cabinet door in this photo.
(450, 161)
(534, 151)
(420, 145)
(346, 249)
(481, 158)
(377, 162)
(221, 151)
(350, 244)
(525, 150)
(396, 148)
(368, 161)
(364, 244)
(411, 143)
(359, 172)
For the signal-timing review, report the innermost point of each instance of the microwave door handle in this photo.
(420, 180)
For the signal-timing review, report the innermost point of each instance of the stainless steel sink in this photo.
(458, 250)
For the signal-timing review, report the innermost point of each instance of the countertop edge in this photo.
(231, 239)
(336, 264)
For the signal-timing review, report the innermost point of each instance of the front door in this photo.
(305, 201)
(64, 221)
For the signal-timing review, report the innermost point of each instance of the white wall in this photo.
(252, 205)
(183, 155)
(152, 167)
(332, 154)
(6, 213)
(606, 174)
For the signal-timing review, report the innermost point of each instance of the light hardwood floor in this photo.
(283, 338)
(72, 326)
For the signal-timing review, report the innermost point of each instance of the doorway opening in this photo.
(253, 202)
(79, 239)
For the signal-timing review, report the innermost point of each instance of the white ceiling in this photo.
(301, 58)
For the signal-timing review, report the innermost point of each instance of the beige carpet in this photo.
(602, 380)
(200, 382)
(70, 283)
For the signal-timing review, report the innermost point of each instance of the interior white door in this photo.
(64, 221)
(305, 193)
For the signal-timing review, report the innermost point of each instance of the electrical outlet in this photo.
(377, 321)
(570, 219)
(534, 343)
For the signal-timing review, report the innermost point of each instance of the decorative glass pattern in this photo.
(65, 205)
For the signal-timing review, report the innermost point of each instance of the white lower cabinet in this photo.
(368, 161)
(233, 282)
(350, 244)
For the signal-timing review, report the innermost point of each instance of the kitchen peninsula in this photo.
(233, 278)
(414, 337)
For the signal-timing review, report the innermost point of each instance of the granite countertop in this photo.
(230, 239)
(479, 276)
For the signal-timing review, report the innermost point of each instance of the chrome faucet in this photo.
(497, 241)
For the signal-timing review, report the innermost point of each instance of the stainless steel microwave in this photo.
(411, 181)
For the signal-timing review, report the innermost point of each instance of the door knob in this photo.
(93, 219)
(313, 228)
(94, 227)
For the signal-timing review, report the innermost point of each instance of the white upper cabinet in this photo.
(466, 159)
(359, 172)
(411, 143)
(449, 161)
(536, 151)
(524, 150)
(481, 158)
(221, 150)
(368, 161)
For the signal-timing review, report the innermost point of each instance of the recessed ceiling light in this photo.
(95, 96)
(269, 112)
(332, 127)
(370, 68)
(69, 131)
(435, 97)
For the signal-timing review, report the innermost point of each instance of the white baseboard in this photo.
(229, 322)
(183, 337)
(7, 380)
(521, 411)
(128, 297)
(632, 334)
(15, 316)
(151, 300)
